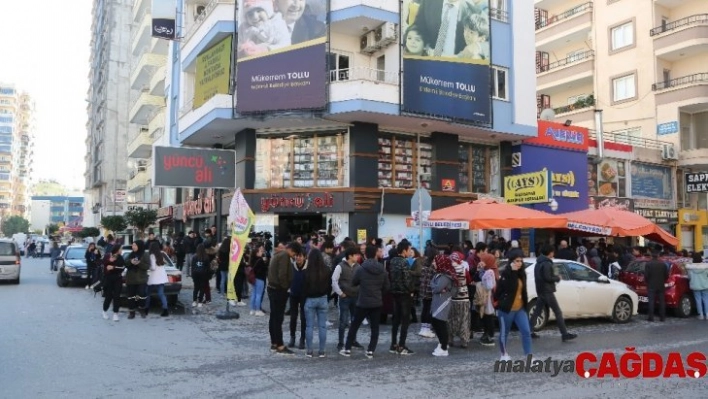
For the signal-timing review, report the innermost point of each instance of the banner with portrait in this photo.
(446, 56)
(281, 55)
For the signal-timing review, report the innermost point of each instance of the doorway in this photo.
(293, 225)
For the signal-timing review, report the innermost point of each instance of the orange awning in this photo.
(618, 223)
(489, 214)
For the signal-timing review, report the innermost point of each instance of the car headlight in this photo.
(69, 269)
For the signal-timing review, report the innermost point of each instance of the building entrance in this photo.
(293, 225)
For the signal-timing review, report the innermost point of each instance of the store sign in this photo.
(528, 188)
(440, 224)
(624, 204)
(589, 228)
(652, 186)
(201, 206)
(667, 128)
(697, 182)
(558, 135)
(165, 212)
(659, 216)
(119, 196)
(692, 217)
(194, 167)
(449, 185)
(298, 202)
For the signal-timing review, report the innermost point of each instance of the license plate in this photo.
(84, 276)
(643, 299)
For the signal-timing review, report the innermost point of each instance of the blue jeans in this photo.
(316, 306)
(347, 307)
(257, 295)
(521, 319)
(160, 293)
(224, 279)
(701, 302)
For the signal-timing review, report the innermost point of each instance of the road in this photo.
(55, 344)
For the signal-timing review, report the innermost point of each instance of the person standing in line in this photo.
(402, 288)
(698, 274)
(316, 289)
(372, 280)
(546, 280)
(223, 259)
(490, 275)
(656, 273)
(297, 301)
(190, 248)
(512, 301)
(179, 250)
(200, 273)
(136, 279)
(280, 276)
(565, 252)
(443, 287)
(348, 294)
(157, 278)
(113, 282)
(426, 294)
(260, 271)
(459, 317)
(93, 262)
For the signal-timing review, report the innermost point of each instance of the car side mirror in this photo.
(603, 279)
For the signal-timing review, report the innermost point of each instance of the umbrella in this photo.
(618, 223)
(490, 214)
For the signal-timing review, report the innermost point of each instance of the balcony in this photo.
(141, 35)
(632, 137)
(157, 121)
(139, 7)
(141, 145)
(145, 68)
(687, 88)
(157, 83)
(137, 180)
(222, 9)
(682, 38)
(696, 158)
(144, 106)
(578, 67)
(349, 16)
(572, 25)
(362, 83)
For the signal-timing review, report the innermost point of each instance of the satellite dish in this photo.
(548, 115)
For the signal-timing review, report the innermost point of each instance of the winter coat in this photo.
(280, 271)
(401, 278)
(655, 274)
(699, 277)
(544, 276)
(372, 280)
(506, 289)
(138, 274)
(442, 288)
(158, 274)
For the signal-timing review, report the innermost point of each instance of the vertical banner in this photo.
(213, 72)
(163, 14)
(240, 220)
(446, 56)
(282, 55)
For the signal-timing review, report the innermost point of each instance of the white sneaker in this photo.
(240, 303)
(427, 334)
(259, 313)
(87, 287)
(366, 322)
(105, 315)
(115, 317)
(199, 305)
(194, 304)
(505, 358)
(701, 317)
(252, 312)
(439, 352)
(232, 303)
(329, 323)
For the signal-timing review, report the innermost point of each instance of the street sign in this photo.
(421, 202)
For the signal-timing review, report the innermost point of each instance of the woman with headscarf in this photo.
(443, 286)
(582, 255)
(489, 281)
(459, 317)
(512, 302)
(594, 259)
(136, 279)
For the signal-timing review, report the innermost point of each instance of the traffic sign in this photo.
(421, 202)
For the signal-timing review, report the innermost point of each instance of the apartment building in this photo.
(108, 108)
(56, 209)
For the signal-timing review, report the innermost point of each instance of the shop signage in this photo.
(440, 224)
(589, 228)
(449, 185)
(528, 188)
(659, 216)
(697, 182)
(200, 206)
(667, 128)
(140, 205)
(165, 212)
(194, 167)
(558, 135)
(692, 217)
(299, 202)
(625, 204)
(652, 186)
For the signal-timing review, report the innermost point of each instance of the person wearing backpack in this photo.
(200, 274)
(402, 289)
(442, 286)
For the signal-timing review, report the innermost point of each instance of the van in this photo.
(9, 261)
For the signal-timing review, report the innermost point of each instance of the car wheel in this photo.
(61, 282)
(685, 307)
(542, 319)
(622, 311)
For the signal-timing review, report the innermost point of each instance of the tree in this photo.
(15, 224)
(141, 219)
(89, 232)
(52, 229)
(114, 223)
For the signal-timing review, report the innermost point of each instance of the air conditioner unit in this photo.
(367, 43)
(386, 34)
(668, 152)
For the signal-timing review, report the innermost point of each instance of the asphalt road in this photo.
(55, 344)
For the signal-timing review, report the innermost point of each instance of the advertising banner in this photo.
(554, 134)
(446, 57)
(625, 204)
(213, 72)
(697, 182)
(282, 55)
(652, 186)
(193, 167)
(240, 220)
(528, 188)
(163, 14)
(608, 178)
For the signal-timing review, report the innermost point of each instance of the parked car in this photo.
(10, 261)
(582, 293)
(71, 265)
(174, 278)
(679, 297)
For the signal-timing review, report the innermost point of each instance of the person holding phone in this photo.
(93, 261)
(136, 279)
(113, 281)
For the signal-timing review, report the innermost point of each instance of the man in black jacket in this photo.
(280, 275)
(546, 280)
(565, 252)
(656, 273)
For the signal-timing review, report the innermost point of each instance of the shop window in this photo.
(301, 161)
(476, 171)
(398, 167)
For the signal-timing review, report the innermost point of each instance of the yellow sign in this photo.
(528, 188)
(361, 236)
(213, 72)
(564, 180)
(240, 220)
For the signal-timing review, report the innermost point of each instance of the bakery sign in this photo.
(658, 216)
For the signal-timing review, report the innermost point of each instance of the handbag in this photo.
(251, 275)
(214, 265)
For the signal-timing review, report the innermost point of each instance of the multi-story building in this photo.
(109, 102)
(346, 154)
(16, 150)
(46, 210)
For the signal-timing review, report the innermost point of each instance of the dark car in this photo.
(678, 293)
(72, 266)
(174, 279)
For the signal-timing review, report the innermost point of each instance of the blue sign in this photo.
(667, 128)
(652, 186)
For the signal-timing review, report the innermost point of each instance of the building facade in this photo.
(46, 210)
(110, 99)
(338, 136)
(16, 150)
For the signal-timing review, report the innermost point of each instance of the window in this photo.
(381, 68)
(499, 88)
(580, 272)
(622, 36)
(475, 168)
(338, 67)
(624, 88)
(498, 10)
(398, 162)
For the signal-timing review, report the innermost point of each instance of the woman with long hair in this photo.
(317, 286)
(136, 279)
(512, 303)
(260, 270)
(200, 275)
(157, 278)
(93, 262)
(113, 281)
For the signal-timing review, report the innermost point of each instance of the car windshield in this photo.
(75, 253)
(7, 249)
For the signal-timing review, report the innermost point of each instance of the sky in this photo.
(45, 52)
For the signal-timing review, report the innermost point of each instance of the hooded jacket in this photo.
(137, 274)
(507, 287)
(372, 280)
(544, 276)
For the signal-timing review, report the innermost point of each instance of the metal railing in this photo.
(631, 136)
(499, 14)
(587, 103)
(690, 20)
(682, 81)
(571, 59)
(363, 73)
(203, 16)
(564, 15)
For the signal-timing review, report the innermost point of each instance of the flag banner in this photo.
(240, 220)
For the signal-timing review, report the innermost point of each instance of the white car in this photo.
(583, 293)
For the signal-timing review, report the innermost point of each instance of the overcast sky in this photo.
(45, 52)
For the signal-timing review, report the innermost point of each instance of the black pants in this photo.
(239, 280)
(425, 316)
(92, 272)
(373, 315)
(475, 320)
(548, 298)
(180, 260)
(217, 286)
(136, 296)
(401, 318)
(440, 329)
(200, 280)
(653, 295)
(111, 292)
(278, 300)
(297, 305)
(488, 324)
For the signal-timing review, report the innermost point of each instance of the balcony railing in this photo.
(631, 136)
(698, 19)
(571, 59)
(564, 15)
(200, 19)
(363, 73)
(499, 14)
(682, 81)
(588, 102)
